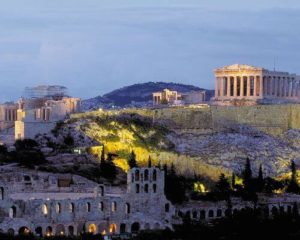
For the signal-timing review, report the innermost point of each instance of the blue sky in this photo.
(95, 46)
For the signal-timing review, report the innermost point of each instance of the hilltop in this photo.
(137, 95)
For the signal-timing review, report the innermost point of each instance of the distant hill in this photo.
(137, 94)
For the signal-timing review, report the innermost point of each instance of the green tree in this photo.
(222, 188)
(247, 175)
(260, 179)
(233, 181)
(132, 160)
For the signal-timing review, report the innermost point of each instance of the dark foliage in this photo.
(132, 160)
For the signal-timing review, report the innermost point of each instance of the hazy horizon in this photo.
(95, 46)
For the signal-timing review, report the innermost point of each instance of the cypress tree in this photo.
(149, 162)
(233, 183)
(247, 174)
(260, 179)
(132, 160)
(293, 186)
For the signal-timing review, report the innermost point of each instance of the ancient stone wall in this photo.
(272, 119)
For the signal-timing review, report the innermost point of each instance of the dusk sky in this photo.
(95, 46)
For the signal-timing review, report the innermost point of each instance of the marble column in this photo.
(216, 88)
(261, 86)
(221, 87)
(248, 86)
(271, 86)
(228, 86)
(242, 86)
(254, 86)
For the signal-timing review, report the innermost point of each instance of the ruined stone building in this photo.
(255, 85)
(8, 115)
(64, 204)
(41, 108)
(169, 97)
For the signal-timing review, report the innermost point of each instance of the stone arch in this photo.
(154, 188)
(146, 188)
(146, 175)
(24, 230)
(211, 213)
(219, 213)
(123, 228)
(274, 211)
(112, 228)
(154, 175)
(49, 231)
(1, 193)
(137, 175)
(135, 227)
(39, 231)
(127, 208)
(45, 209)
(71, 230)
(11, 231)
(156, 226)
(195, 214)
(88, 206)
(114, 206)
(101, 206)
(58, 208)
(71, 207)
(60, 230)
(147, 226)
(92, 228)
(101, 188)
(202, 214)
(13, 212)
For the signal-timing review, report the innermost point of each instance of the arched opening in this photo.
(219, 213)
(112, 228)
(127, 208)
(123, 228)
(137, 188)
(113, 206)
(49, 231)
(11, 232)
(92, 228)
(281, 210)
(146, 188)
(13, 212)
(146, 175)
(45, 209)
(147, 226)
(211, 213)
(60, 230)
(102, 191)
(137, 175)
(274, 211)
(156, 226)
(24, 231)
(135, 227)
(71, 230)
(195, 214)
(88, 207)
(1, 193)
(39, 231)
(101, 206)
(58, 208)
(71, 207)
(167, 207)
(154, 175)
(154, 188)
(202, 214)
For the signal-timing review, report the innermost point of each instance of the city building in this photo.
(49, 204)
(43, 107)
(255, 85)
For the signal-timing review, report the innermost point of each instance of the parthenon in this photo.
(255, 83)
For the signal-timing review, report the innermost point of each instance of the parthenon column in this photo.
(254, 86)
(242, 94)
(221, 87)
(261, 86)
(248, 86)
(290, 84)
(276, 85)
(271, 86)
(228, 86)
(216, 88)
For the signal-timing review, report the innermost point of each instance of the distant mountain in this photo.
(137, 95)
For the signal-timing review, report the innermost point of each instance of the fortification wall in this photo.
(272, 119)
